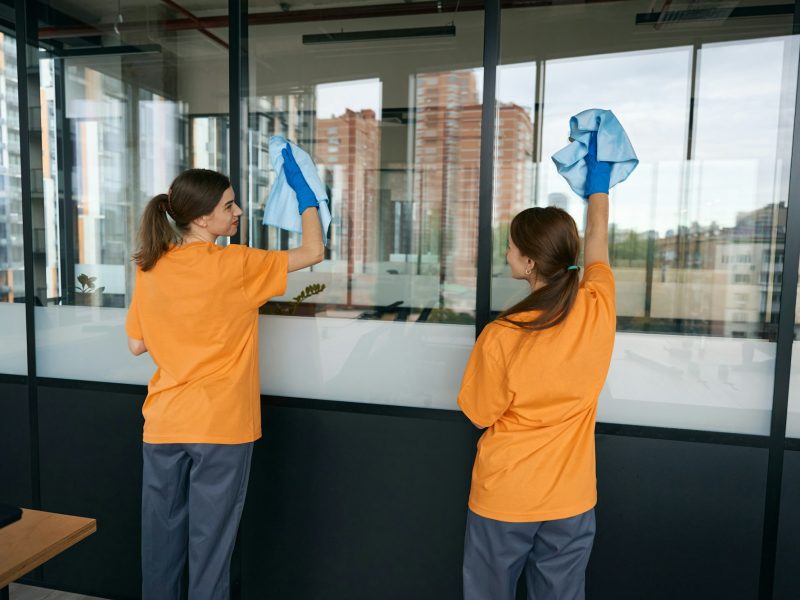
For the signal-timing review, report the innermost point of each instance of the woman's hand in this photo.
(598, 174)
(294, 177)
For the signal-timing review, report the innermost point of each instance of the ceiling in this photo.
(101, 11)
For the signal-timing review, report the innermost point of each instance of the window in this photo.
(12, 268)
(131, 123)
(696, 233)
(396, 140)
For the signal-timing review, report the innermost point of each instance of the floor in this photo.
(18, 591)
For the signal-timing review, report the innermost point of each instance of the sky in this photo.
(738, 136)
(333, 99)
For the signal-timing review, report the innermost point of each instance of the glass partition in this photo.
(12, 268)
(389, 109)
(793, 415)
(132, 98)
(393, 125)
(387, 100)
(697, 231)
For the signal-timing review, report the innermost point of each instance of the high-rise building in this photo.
(347, 150)
(12, 279)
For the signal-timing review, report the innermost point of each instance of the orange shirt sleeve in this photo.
(484, 394)
(132, 324)
(264, 274)
(599, 282)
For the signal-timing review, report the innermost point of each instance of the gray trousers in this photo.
(554, 555)
(192, 500)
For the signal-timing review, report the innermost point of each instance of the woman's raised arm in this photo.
(597, 183)
(311, 250)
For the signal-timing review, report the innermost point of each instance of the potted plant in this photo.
(86, 294)
(295, 307)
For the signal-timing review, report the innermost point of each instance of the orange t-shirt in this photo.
(536, 393)
(197, 312)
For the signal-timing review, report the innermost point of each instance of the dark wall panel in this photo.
(15, 445)
(356, 506)
(677, 520)
(787, 576)
(91, 466)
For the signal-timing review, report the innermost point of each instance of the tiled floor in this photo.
(27, 592)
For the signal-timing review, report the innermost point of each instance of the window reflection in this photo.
(126, 123)
(12, 273)
(399, 154)
(12, 264)
(697, 232)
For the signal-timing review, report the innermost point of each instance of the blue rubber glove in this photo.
(598, 173)
(294, 177)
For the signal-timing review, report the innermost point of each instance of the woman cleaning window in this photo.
(532, 382)
(195, 310)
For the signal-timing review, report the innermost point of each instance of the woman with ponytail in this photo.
(195, 310)
(532, 382)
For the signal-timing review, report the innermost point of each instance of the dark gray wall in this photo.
(787, 573)
(348, 503)
(91, 465)
(677, 520)
(15, 445)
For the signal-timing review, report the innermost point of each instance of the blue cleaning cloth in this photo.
(281, 210)
(613, 146)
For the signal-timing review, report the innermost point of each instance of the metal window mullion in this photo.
(491, 58)
(25, 34)
(67, 216)
(783, 362)
(238, 91)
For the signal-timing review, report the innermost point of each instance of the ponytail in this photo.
(156, 234)
(549, 237)
(555, 300)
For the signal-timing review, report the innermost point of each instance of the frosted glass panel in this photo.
(407, 364)
(410, 364)
(708, 383)
(13, 359)
(793, 418)
(690, 382)
(87, 343)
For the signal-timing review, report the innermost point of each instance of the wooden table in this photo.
(36, 538)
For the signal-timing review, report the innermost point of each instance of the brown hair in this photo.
(193, 193)
(549, 237)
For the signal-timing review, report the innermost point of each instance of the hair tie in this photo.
(169, 209)
(573, 268)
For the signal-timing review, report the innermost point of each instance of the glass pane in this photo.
(124, 116)
(697, 232)
(393, 125)
(793, 415)
(13, 342)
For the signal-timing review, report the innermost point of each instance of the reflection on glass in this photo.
(117, 127)
(793, 416)
(12, 267)
(12, 274)
(129, 122)
(697, 232)
(397, 144)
